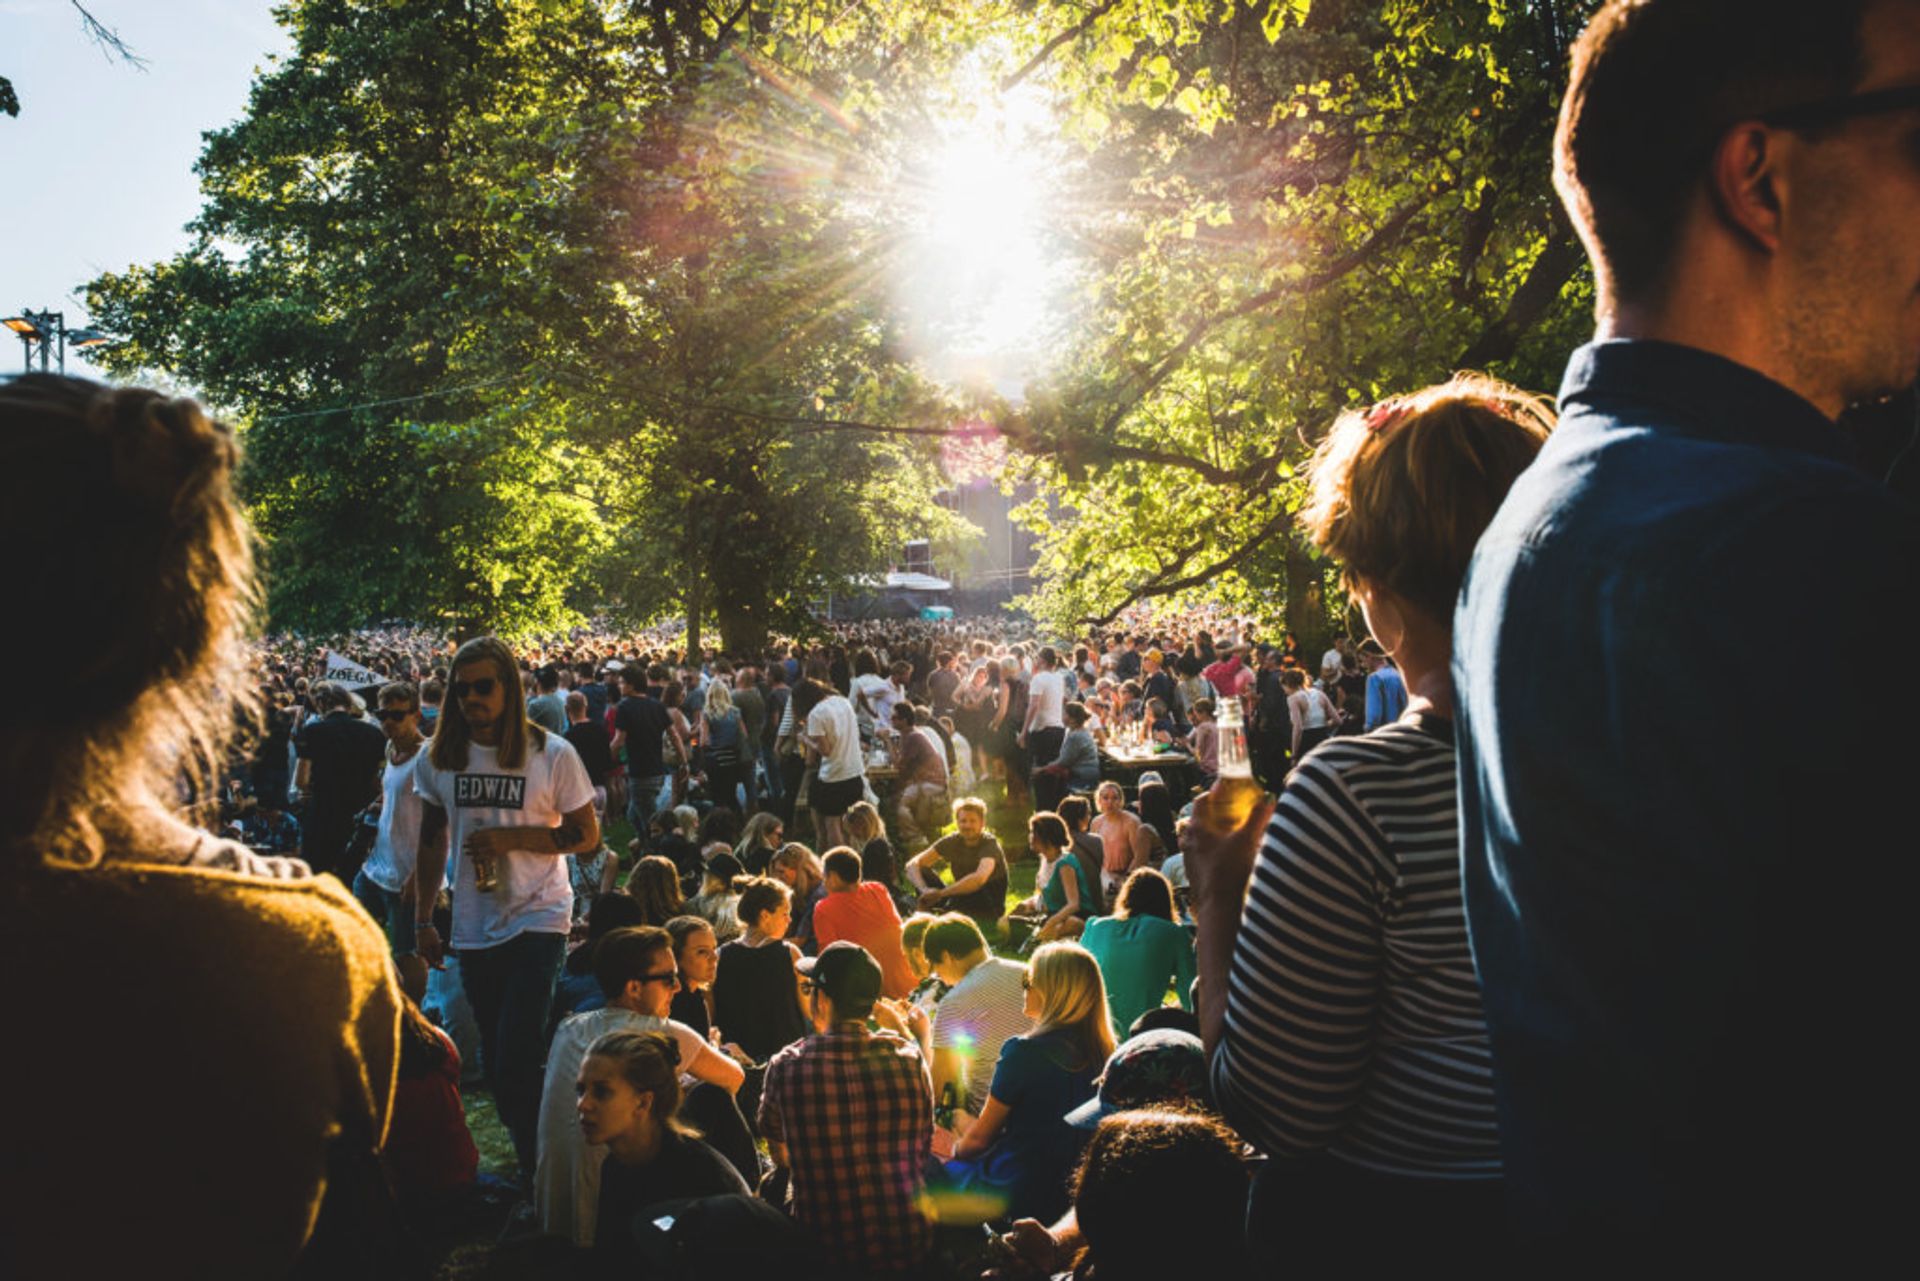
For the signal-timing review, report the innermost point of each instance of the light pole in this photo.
(48, 331)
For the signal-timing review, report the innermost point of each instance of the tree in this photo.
(1323, 204)
(513, 337)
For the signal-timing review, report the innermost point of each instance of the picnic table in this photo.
(1125, 766)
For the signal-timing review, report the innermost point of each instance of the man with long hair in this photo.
(513, 800)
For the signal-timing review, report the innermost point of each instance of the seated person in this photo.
(1145, 1170)
(1022, 1147)
(628, 1085)
(985, 1004)
(1142, 949)
(861, 911)
(979, 867)
(636, 971)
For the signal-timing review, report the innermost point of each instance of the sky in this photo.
(96, 172)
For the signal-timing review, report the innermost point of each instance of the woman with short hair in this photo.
(1378, 1105)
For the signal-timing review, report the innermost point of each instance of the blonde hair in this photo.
(152, 585)
(451, 739)
(719, 701)
(794, 854)
(1073, 1000)
(1399, 493)
(863, 822)
(966, 803)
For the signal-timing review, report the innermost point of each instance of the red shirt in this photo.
(865, 915)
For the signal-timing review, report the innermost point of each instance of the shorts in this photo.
(831, 800)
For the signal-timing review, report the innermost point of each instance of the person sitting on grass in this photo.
(1021, 1146)
(636, 971)
(862, 912)
(979, 867)
(985, 1004)
(628, 1088)
(1142, 949)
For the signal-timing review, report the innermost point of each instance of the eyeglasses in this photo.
(395, 713)
(1831, 111)
(482, 687)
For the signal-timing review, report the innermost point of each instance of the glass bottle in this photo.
(1234, 762)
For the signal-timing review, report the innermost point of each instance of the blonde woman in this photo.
(1021, 1148)
(758, 840)
(725, 755)
(798, 868)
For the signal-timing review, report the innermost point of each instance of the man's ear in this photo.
(1747, 183)
(633, 990)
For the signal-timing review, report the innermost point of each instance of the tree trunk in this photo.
(696, 603)
(1306, 601)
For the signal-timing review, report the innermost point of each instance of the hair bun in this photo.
(669, 1049)
(165, 451)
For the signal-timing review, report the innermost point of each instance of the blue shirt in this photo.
(1686, 909)
(1386, 697)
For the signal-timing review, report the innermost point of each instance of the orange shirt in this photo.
(865, 915)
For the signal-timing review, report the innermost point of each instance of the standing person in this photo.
(777, 696)
(1337, 988)
(942, 683)
(752, 706)
(591, 740)
(1311, 712)
(978, 865)
(640, 724)
(547, 708)
(1386, 690)
(340, 760)
(385, 883)
(724, 747)
(832, 734)
(512, 801)
(858, 1172)
(252, 1002)
(1661, 880)
(1048, 693)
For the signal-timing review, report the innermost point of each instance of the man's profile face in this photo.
(1852, 238)
(482, 694)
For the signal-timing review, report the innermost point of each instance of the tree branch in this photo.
(1556, 264)
(1161, 584)
(107, 38)
(1052, 46)
(1382, 239)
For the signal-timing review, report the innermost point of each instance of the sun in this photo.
(981, 283)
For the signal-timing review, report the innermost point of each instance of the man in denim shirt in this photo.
(1688, 910)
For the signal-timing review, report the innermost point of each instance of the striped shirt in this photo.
(1353, 1015)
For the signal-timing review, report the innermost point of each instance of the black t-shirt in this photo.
(690, 1008)
(643, 721)
(1160, 686)
(590, 739)
(756, 1001)
(940, 687)
(990, 900)
(346, 755)
(683, 1167)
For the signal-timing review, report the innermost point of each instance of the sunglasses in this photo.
(394, 713)
(1831, 111)
(663, 976)
(482, 687)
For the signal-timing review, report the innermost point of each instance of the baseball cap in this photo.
(1155, 1068)
(846, 972)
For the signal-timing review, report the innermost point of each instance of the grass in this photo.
(469, 1252)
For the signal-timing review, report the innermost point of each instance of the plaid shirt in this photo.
(855, 1112)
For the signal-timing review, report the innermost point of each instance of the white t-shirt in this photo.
(533, 891)
(566, 1181)
(390, 865)
(832, 726)
(871, 696)
(1047, 699)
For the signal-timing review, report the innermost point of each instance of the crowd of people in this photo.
(1520, 946)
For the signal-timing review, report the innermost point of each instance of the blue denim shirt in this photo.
(1686, 851)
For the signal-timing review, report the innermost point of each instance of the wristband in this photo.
(422, 925)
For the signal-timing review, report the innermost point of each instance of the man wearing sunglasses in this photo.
(510, 800)
(1683, 902)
